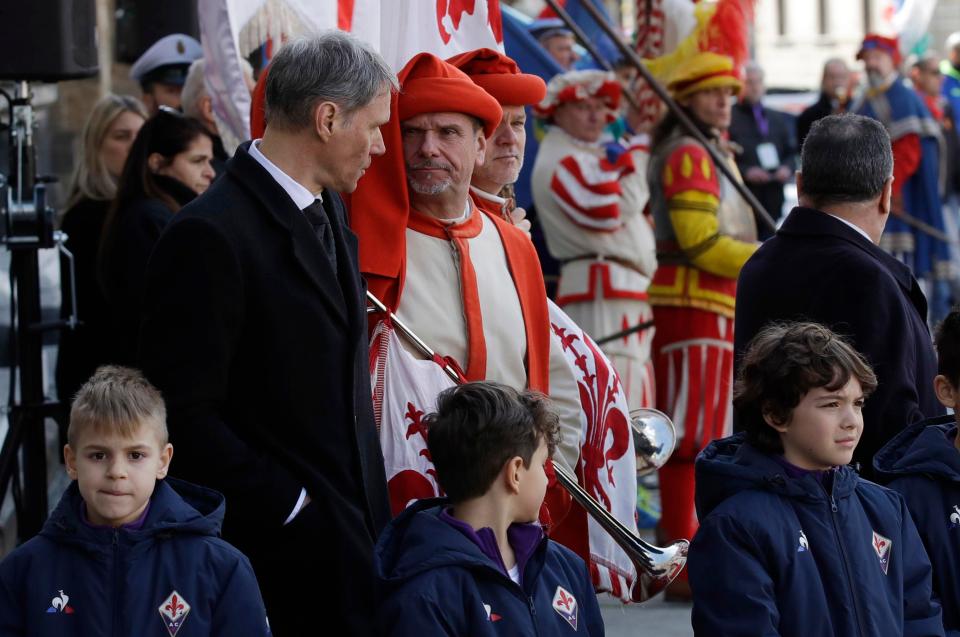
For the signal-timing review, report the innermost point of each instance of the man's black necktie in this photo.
(318, 219)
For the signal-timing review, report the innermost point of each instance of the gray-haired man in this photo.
(198, 104)
(254, 329)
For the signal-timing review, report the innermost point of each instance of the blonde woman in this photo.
(103, 148)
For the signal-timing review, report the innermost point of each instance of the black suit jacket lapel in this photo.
(347, 267)
(307, 250)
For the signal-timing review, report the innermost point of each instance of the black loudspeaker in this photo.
(140, 23)
(48, 40)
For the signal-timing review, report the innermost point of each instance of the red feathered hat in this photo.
(883, 43)
(500, 76)
(431, 85)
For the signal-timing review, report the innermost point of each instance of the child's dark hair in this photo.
(781, 364)
(948, 347)
(478, 427)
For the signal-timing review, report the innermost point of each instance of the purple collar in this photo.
(523, 538)
(795, 472)
(136, 525)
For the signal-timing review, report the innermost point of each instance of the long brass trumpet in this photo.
(654, 440)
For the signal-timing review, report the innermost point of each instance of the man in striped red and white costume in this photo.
(590, 199)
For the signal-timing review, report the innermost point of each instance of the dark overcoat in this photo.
(261, 353)
(817, 268)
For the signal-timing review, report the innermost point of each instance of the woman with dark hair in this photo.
(106, 140)
(168, 166)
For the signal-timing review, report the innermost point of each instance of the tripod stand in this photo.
(27, 228)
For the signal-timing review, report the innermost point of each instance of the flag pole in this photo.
(762, 216)
(411, 336)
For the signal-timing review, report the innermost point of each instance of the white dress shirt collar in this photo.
(862, 232)
(301, 196)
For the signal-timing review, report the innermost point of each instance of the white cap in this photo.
(175, 51)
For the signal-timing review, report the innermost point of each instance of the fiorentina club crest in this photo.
(174, 611)
(882, 546)
(566, 604)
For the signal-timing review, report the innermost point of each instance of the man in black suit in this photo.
(824, 265)
(255, 331)
(769, 149)
(833, 97)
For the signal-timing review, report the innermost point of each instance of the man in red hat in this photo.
(915, 138)
(591, 206)
(468, 283)
(500, 76)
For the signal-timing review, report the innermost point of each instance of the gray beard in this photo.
(432, 189)
(875, 79)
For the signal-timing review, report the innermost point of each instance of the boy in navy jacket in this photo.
(477, 563)
(124, 554)
(792, 542)
(923, 464)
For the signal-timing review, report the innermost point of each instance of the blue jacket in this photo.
(433, 580)
(782, 556)
(924, 466)
(73, 580)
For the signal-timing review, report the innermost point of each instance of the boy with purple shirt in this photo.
(478, 562)
(128, 551)
(792, 542)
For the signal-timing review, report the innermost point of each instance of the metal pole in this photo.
(30, 353)
(759, 212)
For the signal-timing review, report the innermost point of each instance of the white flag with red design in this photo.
(233, 29)
(405, 389)
(607, 468)
(442, 27)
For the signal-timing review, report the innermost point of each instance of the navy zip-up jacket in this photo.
(787, 557)
(924, 466)
(172, 577)
(433, 580)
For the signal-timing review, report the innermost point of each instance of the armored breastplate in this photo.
(734, 216)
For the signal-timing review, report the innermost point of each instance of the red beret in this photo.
(501, 77)
(430, 85)
(877, 41)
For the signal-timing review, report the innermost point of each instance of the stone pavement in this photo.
(655, 618)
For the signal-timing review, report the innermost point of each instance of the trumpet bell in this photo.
(666, 564)
(654, 439)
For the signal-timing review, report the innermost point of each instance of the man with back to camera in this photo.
(255, 330)
(824, 265)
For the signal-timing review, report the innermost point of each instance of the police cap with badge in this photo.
(167, 61)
